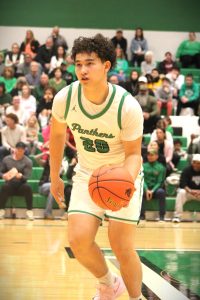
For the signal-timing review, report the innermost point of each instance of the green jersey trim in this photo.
(100, 113)
(121, 219)
(119, 117)
(68, 101)
(83, 212)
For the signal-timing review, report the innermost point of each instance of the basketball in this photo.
(111, 188)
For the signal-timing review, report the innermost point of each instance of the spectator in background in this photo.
(70, 66)
(58, 58)
(16, 109)
(33, 77)
(32, 130)
(113, 78)
(143, 80)
(38, 92)
(168, 124)
(178, 152)
(194, 146)
(189, 187)
(163, 124)
(166, 148)
(188, 97)
(120, 42)
(57, 82)
(11, 134)
(15, 169)
(121, 66)
(149, 107)
(154, 177)
(167, 64)
(189, 52)
(148, 64)
(45, 53)
(132, 85)
(138, 47)
(5, 98)
(176, 79)
(154, 80)
(68, 77)
(24, 68)
(30, 45)
(27, 102)
(58, 40)
(14, 57)
(8, 78)
(17, 90)
(2, 64)
(45, 105)
(164, 96)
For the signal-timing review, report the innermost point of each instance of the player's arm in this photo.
(56, 147)
(133, 158)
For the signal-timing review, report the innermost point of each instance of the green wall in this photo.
(165, 15)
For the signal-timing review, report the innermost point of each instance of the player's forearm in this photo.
(56, 147)
(133, 165)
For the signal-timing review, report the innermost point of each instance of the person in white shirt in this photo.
(16, 109)
(27, 102)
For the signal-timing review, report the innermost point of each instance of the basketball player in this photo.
(107, 125)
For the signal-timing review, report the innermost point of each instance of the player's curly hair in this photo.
(98, 44)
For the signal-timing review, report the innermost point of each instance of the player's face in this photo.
(90, 70)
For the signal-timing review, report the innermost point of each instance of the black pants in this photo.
(137, 59)
(188, 60)
(150, 124)
(8, 190)
(160, 195)
(192, 104)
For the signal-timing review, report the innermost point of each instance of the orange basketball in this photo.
(111, 187)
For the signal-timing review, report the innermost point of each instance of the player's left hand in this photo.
(57, 190)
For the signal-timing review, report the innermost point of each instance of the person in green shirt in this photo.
(57, 82)
(189, 96)
(154, 176)
(189, 52)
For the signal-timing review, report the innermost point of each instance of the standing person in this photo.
(119, 41)
(89, 107)
(138, 47)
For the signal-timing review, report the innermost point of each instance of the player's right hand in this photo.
(57, 190)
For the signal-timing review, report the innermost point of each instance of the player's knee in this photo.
(121, 252)
(79, 243)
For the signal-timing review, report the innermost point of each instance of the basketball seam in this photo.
(102, 187)
(112, 180)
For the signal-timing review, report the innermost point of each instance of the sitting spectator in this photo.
(8, 78)
(120, 42)
(57, 82)
(32, 130)
(132, 85)
(27, 102)
(14, 57)
(164, 96)
(168, 125)
(30, 45)
(17, 90)
(154, 80)
(33, 77)
(153, 146)
(24, 68)
(148, 64)
(114, 79)
(16, 109)
(166, 149)
(70, 152)
(121, 66)
(68, 77)
(11, 134)
(149, 107)
(58, 39)
(178, 152)
(154, 176)
(163, 125)
(38, 92)
(167, 64)
(138, 47)
(42, 157)
(189, 52)
(143, 80)
(15, 170)
(176, 79)
(188, 97)
(2, 64)
(189, 187)
(5, 98)
(45, 53)
(45, 105)
(70, 67)
(194, 146)
(57, 59)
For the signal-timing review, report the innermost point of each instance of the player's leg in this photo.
(121, 236)
(82, 229)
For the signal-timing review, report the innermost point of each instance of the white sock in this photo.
(138, 298)
(107, 279)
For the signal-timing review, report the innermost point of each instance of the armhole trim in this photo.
(68, 101)
(119, 117)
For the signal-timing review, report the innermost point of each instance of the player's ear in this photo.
(107, 65)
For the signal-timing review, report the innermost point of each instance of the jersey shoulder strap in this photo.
(119, 116)
(68, 101)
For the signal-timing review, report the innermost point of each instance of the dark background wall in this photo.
(166, 15)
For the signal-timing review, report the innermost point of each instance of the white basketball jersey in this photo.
(98, 129)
